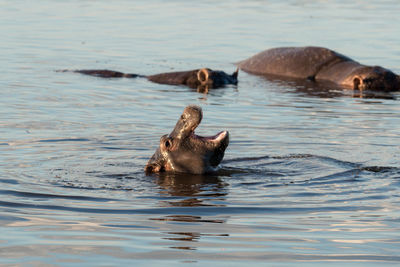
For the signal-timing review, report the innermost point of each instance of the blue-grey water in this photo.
(311, 175)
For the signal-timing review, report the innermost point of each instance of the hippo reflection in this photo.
(184, 151)
(321, 64)
(201, 79)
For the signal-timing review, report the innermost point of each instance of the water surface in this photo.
(311, 175)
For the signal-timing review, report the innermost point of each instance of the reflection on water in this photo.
(191, 190)
(311, 174)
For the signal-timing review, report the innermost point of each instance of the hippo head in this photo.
(376, 78)
(204, 79)
(184, 151)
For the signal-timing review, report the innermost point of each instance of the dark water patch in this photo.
(246, 159)
(206, 211)
(115, 148)
(128, 164)
(12, 218)
(9, 181)
(276, 185)
(231, 171)
(189, 202)
(306, 194)
(187, 218)
(191, 236)
(252, 183)
(64, 140)
(183, 248)
(117, 176)
(128, 226)
(53, 196)
(92, 187)
(380, 169)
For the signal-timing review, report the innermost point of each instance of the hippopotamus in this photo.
(201, 79)
(321, 64)
(184, 151)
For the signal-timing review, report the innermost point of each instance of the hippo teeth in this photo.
(216, 138)
(220, 136)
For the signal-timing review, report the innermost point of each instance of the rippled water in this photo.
(310, 177)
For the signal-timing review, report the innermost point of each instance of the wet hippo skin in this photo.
(184, 151)
(201, 79)
(318, 63)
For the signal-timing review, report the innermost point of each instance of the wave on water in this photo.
(177, 193)
(298, 165)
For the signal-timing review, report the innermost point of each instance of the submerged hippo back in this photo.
(176, 78)
(296, 62)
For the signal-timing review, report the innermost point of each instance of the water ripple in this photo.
(204, 211)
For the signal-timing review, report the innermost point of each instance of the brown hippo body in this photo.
(184, 151)
(318, 63)
(201, 79)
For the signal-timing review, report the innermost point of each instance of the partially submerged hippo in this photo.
(184, 151)
(201, 79)
(318, 63)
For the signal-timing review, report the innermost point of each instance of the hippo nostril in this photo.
(168, 143)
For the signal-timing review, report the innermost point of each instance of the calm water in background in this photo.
(310, 177)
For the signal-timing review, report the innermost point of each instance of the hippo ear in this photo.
(202, 75)
(398, 82)
(357, 82)
(235, 74)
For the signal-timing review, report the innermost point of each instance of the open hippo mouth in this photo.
(184, 151)
(216, 145)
